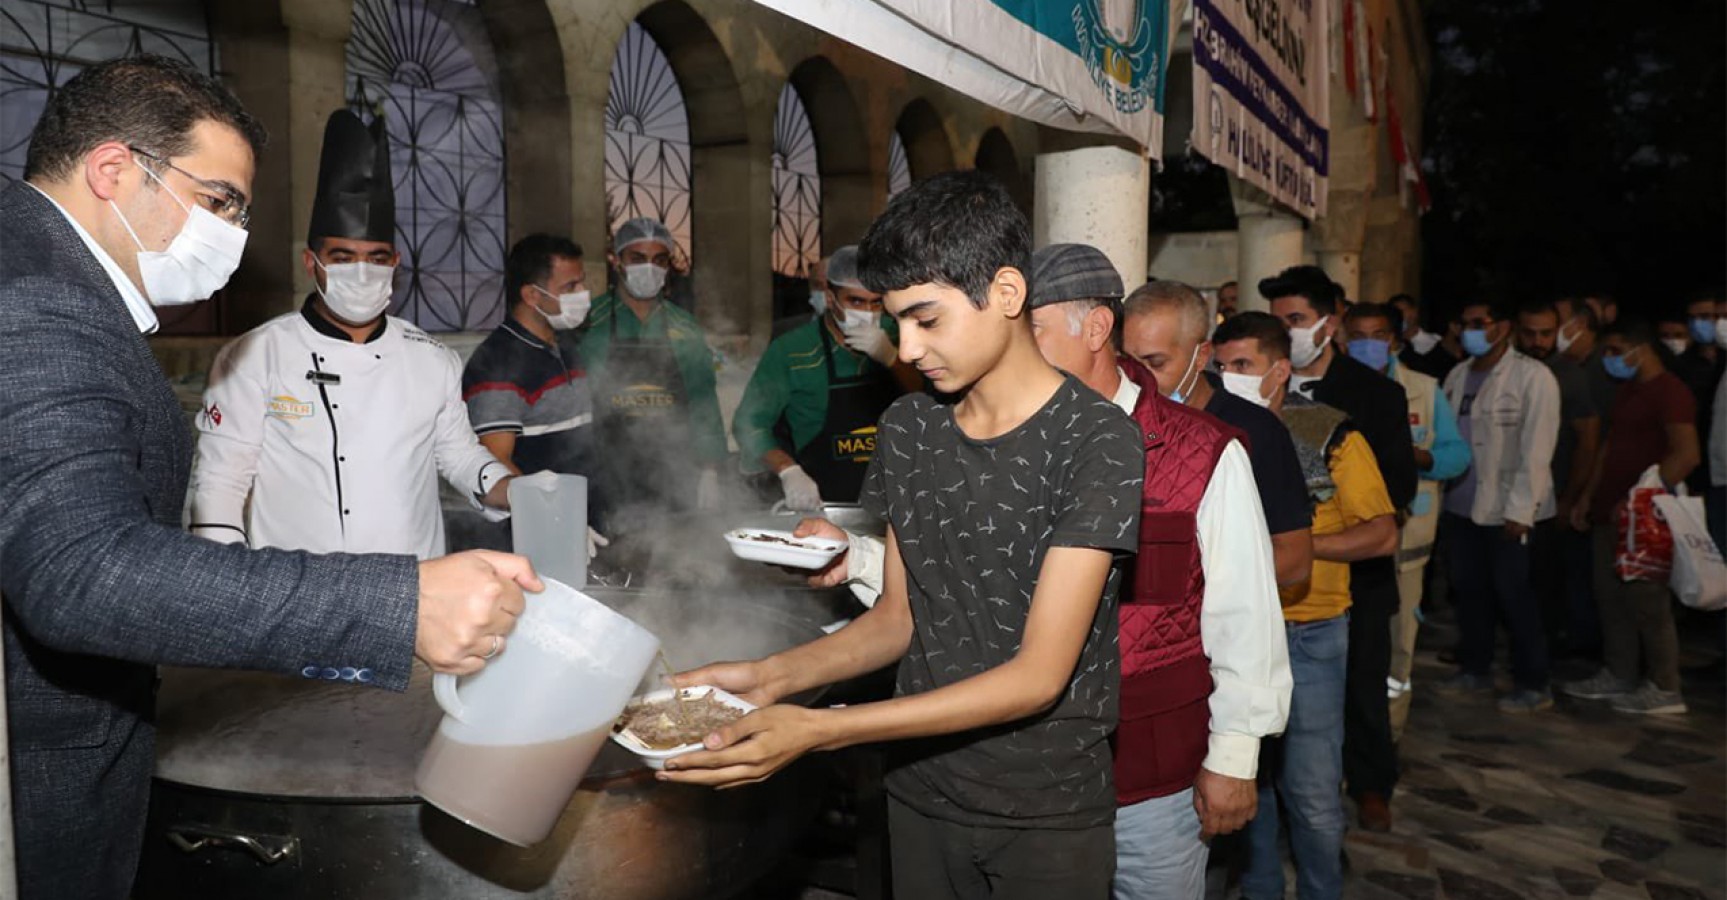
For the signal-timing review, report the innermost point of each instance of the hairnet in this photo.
(843, 269)
(636, 231)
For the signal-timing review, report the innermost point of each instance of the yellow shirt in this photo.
(1360, 496)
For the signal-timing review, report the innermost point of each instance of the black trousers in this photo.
(933, 860)
(1369, 755)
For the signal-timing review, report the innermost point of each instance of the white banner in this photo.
(1081, 65)
(1261, 95)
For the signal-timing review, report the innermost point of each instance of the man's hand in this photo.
(750, 749)
(802, 492)
(468, 602)
(870, 339)
(744, 680)
(1224, 804)
(595, 542)
(834, 573)
(1423, 459)
(1516, 531)
(499, 496)
(1580, 516)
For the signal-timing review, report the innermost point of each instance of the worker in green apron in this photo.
(657, 419)
(827, 383)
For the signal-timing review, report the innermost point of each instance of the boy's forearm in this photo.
(1006, 693)
(876, 639)
(1372, 538)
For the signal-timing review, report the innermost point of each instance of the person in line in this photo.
(1301, 773)
(1700, 365)
(326, 429)
(1374, 333)
(1308, 303)
(1560, 555)
(1204, 667)
(1579, 341)
(1508, 409)
(1227, 296)
(1165, 330)
(526, 385)
(136, 192)
(1423, 351)
(653, 377)
(1010, 492)
(1652, 424)
(809, 413)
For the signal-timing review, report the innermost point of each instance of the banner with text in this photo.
(1082, 65)
(1261, 95)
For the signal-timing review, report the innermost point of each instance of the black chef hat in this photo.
(356, 197)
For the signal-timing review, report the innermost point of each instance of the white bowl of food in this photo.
(657, 726)
(782, 548)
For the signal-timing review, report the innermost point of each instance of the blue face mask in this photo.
(1475, 342)
(1371, 352)
(1619, 367)
(1703, 331)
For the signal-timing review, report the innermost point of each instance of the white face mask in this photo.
(1182, 387)
(1423, 342)
(1564, 341)
(644, 280)
(200, 259)
(572, 308)
(1247, 387)
(357, 292)
(1721, 332)
(1302, 350)
(857, 318)
(1677, 345)
(818, 301)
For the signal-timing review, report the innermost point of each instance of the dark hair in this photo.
(1536, 307)
(1263, 327)
(1498, 307)
(1634, 329)
(530, 261)
(1310, 282)
(1391, 314)
(956, 229)
(1674, 316)
(148, 102)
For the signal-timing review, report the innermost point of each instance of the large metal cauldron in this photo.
(275, 787)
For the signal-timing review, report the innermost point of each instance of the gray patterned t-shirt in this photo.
(974, 520)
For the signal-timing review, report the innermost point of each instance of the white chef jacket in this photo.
(1240, 619)
(337, 444)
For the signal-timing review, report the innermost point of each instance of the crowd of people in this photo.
(1154, 566)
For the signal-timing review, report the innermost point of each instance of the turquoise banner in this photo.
(1123, 43)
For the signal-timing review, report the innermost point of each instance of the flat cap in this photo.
(1061, 272)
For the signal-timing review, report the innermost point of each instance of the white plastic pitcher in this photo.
(549, 524)
(517, 736)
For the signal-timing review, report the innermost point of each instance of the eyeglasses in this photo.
(221, 199)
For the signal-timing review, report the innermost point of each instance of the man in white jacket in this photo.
(325, 429)
(1508, 410)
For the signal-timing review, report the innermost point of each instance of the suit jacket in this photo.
(100, 584)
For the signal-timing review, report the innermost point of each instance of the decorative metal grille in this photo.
(647, 139)
(797, 186)
(426, 66)
(898, 167)
(43, 44)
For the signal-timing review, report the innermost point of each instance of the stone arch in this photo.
(995, 155)
(537, 122)
(927, 148)
(842, 150)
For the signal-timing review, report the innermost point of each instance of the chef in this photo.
(828, 381)
(335, 421)
(658, 417)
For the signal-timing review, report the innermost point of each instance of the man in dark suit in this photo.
(1307, 302)
(136, 193)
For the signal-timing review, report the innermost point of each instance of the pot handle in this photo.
(269, 849)
(444, 690)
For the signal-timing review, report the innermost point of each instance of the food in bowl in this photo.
(657, 726)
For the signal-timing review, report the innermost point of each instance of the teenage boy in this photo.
(1009, 492)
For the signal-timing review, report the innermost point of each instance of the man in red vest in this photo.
(1204, 664)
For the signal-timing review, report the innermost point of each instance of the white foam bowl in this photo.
(656, 759)
(799, 553)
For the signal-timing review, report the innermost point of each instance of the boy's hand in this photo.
(743, 679)
(834, 573)
(750, 749)
(1224, 804)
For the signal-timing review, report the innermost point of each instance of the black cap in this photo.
(356, 197)
(1062, 272)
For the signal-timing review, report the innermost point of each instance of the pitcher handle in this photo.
(444, 690)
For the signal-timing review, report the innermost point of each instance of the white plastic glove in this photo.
(708, 490)
(595, 542)
(802, 492)
(865, 335)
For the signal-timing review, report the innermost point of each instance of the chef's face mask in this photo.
(644, 280)
(356, 292)
(198, 262)
(572, 308)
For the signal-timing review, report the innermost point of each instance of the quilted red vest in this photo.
(1165, 676)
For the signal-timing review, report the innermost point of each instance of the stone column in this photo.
(1098, 195)
(1270, 240)
(1343, 267)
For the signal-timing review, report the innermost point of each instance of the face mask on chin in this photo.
(198, 262)
(356, 292)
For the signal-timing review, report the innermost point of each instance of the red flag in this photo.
(1349, 45)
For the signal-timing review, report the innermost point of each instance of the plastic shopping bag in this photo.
(1645, 548)
(1699, 574)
